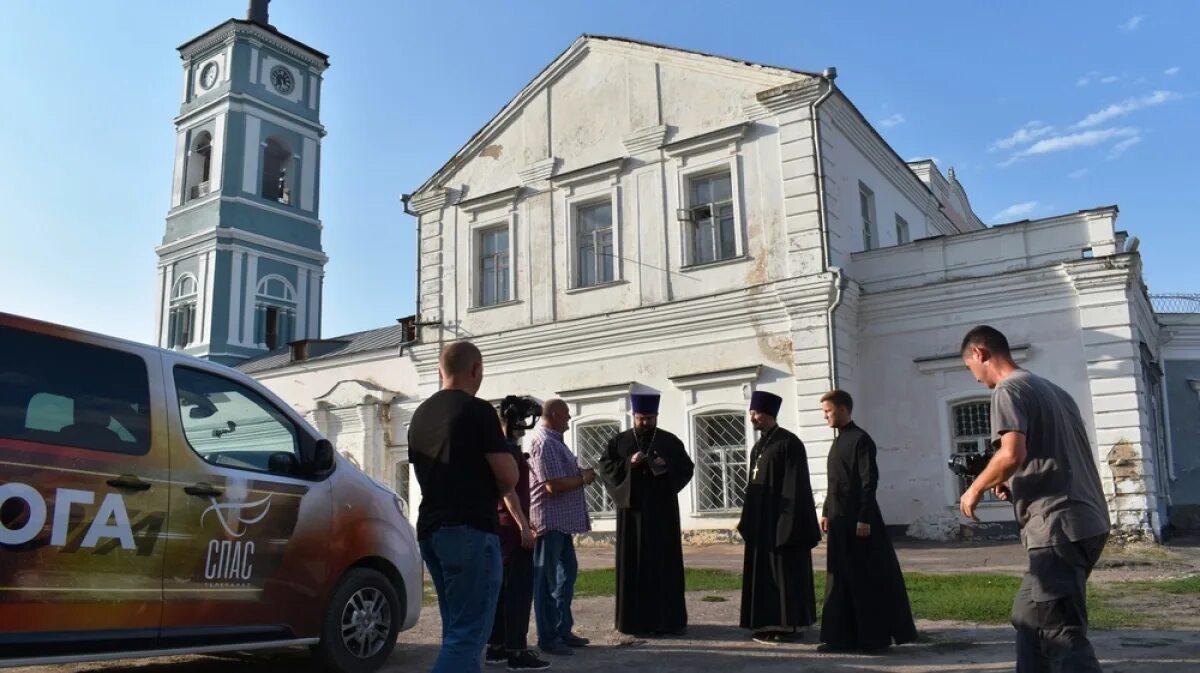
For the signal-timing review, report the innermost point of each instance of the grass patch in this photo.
(1184, 585)
(603, 582)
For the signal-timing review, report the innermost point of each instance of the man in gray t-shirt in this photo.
(1044, 463)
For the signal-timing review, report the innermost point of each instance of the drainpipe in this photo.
(404, 199)
(839, 280)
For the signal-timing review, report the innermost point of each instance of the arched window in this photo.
(275, 315)
(199, 166)
(276, 171)
(181, 330)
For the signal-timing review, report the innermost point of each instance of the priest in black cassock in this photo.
(779, 525)
(866, 603)
(644, 470)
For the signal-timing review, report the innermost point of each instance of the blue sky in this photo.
(1042, 108)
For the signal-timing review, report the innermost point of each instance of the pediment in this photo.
(355, 392)
(602, 99)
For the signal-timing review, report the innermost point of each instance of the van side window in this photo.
(230, 425)
(58, 391)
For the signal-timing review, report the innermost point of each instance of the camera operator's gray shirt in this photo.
(1057, 489)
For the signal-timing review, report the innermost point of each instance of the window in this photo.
(591, 438)
(866, 202)
(493, 266)
(228, 424)
(181, 325)
(401, 482)
(721, 457)
(275, 315)
(63, 392)
(594, 232)
(902, 235)
(712, 228)
(199, 166)
(276, 173)
(971, 433)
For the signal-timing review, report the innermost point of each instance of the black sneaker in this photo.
(572, 640)
(495, 656)
(526, 661)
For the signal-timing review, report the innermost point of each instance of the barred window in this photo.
(971, 433)
(721, 456)
(401, 482)
(590, 440)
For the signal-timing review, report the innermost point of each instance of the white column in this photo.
(217, 166)
(314, 306)
(250, 160)
(308, 175)
(202, 295)
(254, 65)
(209, 298)
(168, 283)
(301, 302)
(158, 308)
(251, 295)
(180, 156)
(235, 297)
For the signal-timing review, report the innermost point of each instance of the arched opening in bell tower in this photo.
(277, 173)
(199, 166)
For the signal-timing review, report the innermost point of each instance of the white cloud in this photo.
(1071, 141)
(1026, 134)
(1119, 149)
(1109, 79)
(1087, 79)
(1126, 107)
(1132, 24)
(894, 120)
(1016, 210)
(1172, 71)
(1075, 175)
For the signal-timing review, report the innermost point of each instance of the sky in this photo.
(1041, 108)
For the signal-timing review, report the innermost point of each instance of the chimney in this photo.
(257, 12)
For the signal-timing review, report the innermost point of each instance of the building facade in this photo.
(646, 219)
(240, 267)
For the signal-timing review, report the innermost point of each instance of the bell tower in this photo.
(240, 267)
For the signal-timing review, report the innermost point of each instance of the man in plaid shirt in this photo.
(557, 511)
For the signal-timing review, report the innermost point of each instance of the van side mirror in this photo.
(322, 456)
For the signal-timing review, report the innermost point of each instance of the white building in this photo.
(640, 217)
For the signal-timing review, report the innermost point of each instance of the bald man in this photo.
(464, 466)
(557, 511)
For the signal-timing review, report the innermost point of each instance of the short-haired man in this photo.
(558, 510)
(1045, 465)
(866, 605)
(464, 466)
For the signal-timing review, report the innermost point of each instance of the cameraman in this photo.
(510, 631)
(1042, 446)
(558, 511)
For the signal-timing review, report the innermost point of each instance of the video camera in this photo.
(970, 465)
(520, 412)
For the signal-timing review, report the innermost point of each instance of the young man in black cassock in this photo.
(779, 525)
(866, 603)
(644, 470)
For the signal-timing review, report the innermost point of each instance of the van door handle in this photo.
(202, 489)
(129, 482)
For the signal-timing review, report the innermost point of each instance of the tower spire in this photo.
(257, 12)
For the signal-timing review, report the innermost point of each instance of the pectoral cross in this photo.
(754, 475)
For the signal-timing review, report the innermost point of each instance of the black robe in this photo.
(866, 603)
(649, 546)
(779, 525)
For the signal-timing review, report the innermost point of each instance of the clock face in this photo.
(208, 76)
(281, 79)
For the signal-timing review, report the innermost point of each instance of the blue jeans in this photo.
(465, 566)
(554, 572)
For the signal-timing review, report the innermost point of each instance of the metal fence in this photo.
(1176, 303)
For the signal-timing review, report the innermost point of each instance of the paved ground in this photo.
(712, 644)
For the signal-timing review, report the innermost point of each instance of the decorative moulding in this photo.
(744, 377)
(723, 137)
(608, 170)
(951, 361)
(539, 170)
(606, 393)
(645, 139)
(492, 201)
(430, 201)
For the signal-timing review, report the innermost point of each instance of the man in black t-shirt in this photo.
(464, 466)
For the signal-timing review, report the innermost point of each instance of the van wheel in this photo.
(361, 623)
